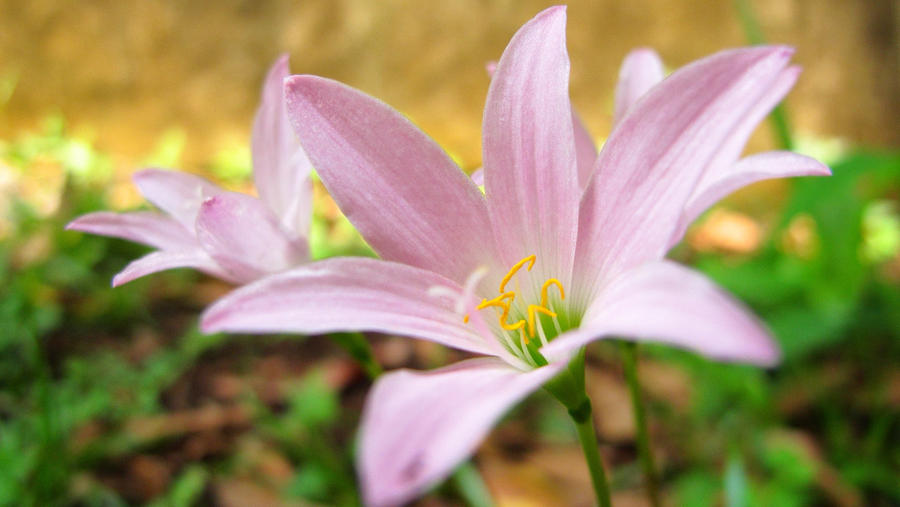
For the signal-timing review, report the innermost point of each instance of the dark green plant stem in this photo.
(588, 439)
(629, 361)
(470, 486)
(359, 349)
(568, 388)
(754, 35)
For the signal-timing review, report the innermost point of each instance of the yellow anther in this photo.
(511, 327)
(466, 319)
(547, 284)
(505, 315)
(531, 311)
(497, 301)
(512, 271)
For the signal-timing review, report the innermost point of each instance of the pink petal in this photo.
(585, 150)
(280, 166)
(763, 166)
(664, 302)
(342, 294)
(402, 192)
(163, 260)
(641, 70)
(656, 155)
(721, 164)
(177, 193)
(478, 176)
(146, 227)
(417, 426)
(246, 238)
(531, 176)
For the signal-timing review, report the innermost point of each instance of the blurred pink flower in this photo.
(229, 235)
(561, 250)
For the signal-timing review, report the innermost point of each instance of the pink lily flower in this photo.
(544, 262)
(236, 237)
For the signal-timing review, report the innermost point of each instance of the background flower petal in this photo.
(280, 167)
(246, 238)
(145, 227)
(641, 70)
(162, 260)
(179, 194)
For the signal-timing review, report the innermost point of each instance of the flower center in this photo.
(529, 323)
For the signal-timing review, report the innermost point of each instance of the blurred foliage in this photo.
(833, 302)
(811, 293)
(7, 86)
(168, 149)
(232, 164)
(306, 433)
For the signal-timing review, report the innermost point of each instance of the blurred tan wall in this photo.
(130, 69)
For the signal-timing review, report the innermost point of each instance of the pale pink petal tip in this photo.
(646, 58)
(162, 260)
(769, 354)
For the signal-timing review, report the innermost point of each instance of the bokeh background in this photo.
(113, 397)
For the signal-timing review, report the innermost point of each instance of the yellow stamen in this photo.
(497, 301)
(505, 302)
(530, 260)
(511, 327)
(547, 284)
(531, 311)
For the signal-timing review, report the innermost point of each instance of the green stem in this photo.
(471, 487)
(568, 388)
(779, 120)
(588, 439)
(359, 349)
(629, 360)
(749, 23)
